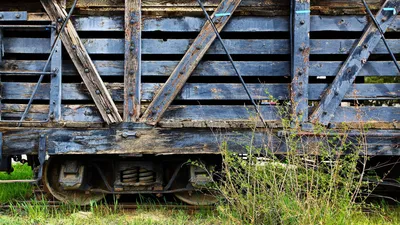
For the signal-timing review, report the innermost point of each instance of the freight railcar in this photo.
(115, 97)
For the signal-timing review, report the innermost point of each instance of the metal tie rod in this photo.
(53, 48)
(26, 73)
(382, 33)
(232, 62)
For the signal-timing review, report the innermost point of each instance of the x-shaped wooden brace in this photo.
(359, 55)
(84, 64)
(189, 62)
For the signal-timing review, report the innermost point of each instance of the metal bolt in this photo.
(300, 72)
(52, 116)
(336, 93)
(74, 47)
(17, 15)
(1, 16)
(302, 22)
(131, 113)
(131, 72)
(54, 102)
(302, 48)
(342, 21)
(300, 83)
(131, 93)
(384, 19)
(132, 48)
(325, 113)
(86, 70)
(59, 20)
(132, 21)
(198, 47)
(98, 91)
(300, 94)
(348, 70)
(365, 46)
(108, 111)
(181, 72)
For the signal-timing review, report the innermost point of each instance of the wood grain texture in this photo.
(84, 64)
(300, 59)
(133, 55)
(360, 53)
(188, 63)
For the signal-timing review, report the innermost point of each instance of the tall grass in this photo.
(313, 183)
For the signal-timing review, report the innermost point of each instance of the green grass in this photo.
(17, 191)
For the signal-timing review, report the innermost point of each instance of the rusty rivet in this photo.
(108, 111)
(302, 48)
(59, 20)
(363, 61)
(302, 22)
(86, 70)
(74, 47)
(17, 15)
(98, 91)
(131, 114)
(300, 72)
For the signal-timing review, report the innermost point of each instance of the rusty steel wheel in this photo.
(201, 198)
(51, 172)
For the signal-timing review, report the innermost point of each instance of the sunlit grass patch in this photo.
(18, 191)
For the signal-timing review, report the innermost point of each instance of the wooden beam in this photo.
(1, 64)
(189, 62)
(56, 80)
(132, 67)
(300, 53)
(84, 64)
(359, 55)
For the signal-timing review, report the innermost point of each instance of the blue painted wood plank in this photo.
(300, 59)
(347, 74)
(190, 60)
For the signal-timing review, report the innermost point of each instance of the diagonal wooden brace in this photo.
(84, 64)
(189, 62)
(359, 55)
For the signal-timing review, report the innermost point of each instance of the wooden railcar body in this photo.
(136, 45)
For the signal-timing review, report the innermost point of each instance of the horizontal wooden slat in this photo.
(210, 68)
(179, 46)
(207, 115)
(201, 91)
(236, 24)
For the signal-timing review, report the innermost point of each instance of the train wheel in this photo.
(197, 197)
(51, 173)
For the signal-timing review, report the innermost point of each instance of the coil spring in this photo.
(134, 175)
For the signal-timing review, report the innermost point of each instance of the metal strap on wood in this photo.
(300, 58)
(189, 62)
(84, 64)
(132, 67)
(359, 55)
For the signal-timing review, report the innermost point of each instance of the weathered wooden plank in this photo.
(210, 68)
(236, 24)
(300, 58)
(203, 91)
(179, 46)
(56, 80)
(189, 62)
(1, 63)
(133, 56)
(355, 61)
(82, 61)
(221, 116)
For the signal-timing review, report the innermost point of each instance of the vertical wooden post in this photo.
(1, 59)
(300, 54)
(132, 67)
(56, 81)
